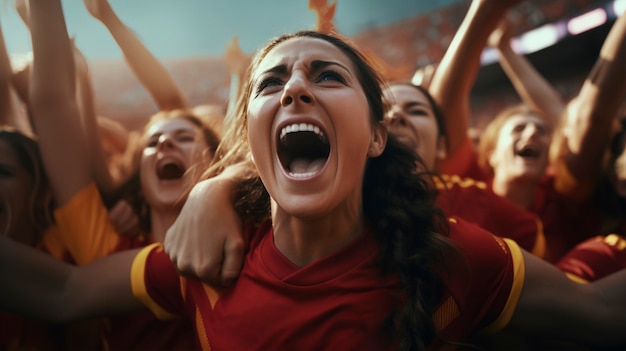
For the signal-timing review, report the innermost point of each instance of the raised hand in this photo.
(325, 15)
(98, 8)
(124, 220)
(236, 60)
(206, 240)
(21, 6)
(502, 35)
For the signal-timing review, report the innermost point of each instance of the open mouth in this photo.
(406, 137)
(170, 170)
(529, 152)
(303, 149)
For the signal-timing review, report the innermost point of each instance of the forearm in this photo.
(531, 86)
(147, 68)
(53, 66)
(86, 103)
(233, 93)
(456, 73)
(32, 282)
(6, 103)
(216, 256)
(553, 306)
(19, 81)
(53, 104)
(38, 286)
(590, 117)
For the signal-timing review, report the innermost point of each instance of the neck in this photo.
(304, 241)
(520, 191)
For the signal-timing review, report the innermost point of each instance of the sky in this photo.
(188, 28)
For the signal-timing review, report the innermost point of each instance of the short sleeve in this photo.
(156, 283)
(485, 281)
(84, 227)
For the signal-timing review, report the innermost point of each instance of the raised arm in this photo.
(21, 75)
(588, 117)
(455, 75)
(86, 104)
(6, 104)
(151, 73)
(52, 95)
(531, 86)
(237, 62)
(10, 111)
(325, 14)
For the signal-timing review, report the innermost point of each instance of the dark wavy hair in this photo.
(40, 199)
(398, 205)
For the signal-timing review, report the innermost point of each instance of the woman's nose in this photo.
(165, 141)
(296, 90)
(395, 116)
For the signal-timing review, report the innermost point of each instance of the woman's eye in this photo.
(519, 128)
(417, 112)
(268, 82)
(186, 138)
(330, 75)
(151, 143)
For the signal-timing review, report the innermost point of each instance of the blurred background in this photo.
(562, 39)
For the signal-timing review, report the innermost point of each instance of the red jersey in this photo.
(595, 258)
(567, 221)
(88, 234)
(474, 201)
(338, 302)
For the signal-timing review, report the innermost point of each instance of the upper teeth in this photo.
(301, 127)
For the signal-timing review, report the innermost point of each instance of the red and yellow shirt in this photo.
(339, 302)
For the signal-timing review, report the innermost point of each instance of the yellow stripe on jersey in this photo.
(576, 278)
(616, 241)
(516, 289)
(445, 314)
(201, 331)
(451, 180)
(211, 294)
(137, 273)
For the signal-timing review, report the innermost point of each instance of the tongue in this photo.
(306, 165)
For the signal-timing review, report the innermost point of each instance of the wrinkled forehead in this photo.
(302, 51)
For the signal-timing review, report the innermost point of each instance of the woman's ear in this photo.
(379, 140)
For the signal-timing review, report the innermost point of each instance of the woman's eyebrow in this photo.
(318, 64)
(411, 104)
(279, 69)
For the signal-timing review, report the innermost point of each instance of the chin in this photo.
(304, 208)
(170, 201)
